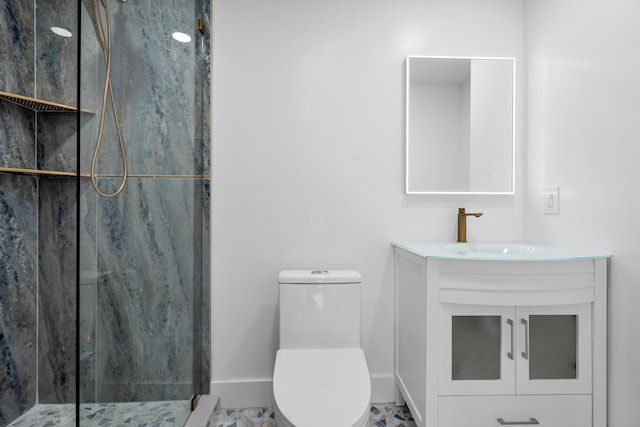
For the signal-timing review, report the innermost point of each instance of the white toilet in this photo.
(320, 377)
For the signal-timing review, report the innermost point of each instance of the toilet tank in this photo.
(319, 309)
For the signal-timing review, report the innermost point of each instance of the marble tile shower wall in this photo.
(202, 382)
(17, 68)
(17, 75)
(37, 349)
(56, 290)
(147, 307)
(18, 292)
(153, 79)
(140, 253)
(150, 244)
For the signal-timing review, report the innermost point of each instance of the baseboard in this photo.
(258, 393)
(249, 393)
(382, 388)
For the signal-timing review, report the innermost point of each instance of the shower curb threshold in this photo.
(204, 413)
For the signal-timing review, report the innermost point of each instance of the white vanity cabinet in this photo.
(487, 340)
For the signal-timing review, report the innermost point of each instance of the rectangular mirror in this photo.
(459, 132)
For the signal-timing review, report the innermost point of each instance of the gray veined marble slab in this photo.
(18, 270)
(205, 374)
(56, 56)
(57, 290)
(57, 141)
(156, 82)
(149, 267)
(17, 71)
(206, 89)
(17, 136)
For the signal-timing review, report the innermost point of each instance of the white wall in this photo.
(583, 130)
(308, 161)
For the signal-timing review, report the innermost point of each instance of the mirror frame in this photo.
(513, 126)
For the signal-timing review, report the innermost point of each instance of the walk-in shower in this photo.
(104, 301)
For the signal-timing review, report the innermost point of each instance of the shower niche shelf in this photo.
(40, 172)
(40, 105)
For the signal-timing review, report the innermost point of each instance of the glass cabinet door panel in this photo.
(475, 347)
(553, 347)
(476, 351)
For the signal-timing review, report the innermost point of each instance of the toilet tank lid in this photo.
(319, 276)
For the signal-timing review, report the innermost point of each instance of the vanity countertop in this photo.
(490, 251)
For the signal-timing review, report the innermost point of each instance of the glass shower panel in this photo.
(144, 253)
(553, 347)
(476, 343)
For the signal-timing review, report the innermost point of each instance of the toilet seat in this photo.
(320, 387)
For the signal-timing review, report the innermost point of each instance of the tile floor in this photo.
(137, 414)
(174, 414)
(382, 415)
(47, 415)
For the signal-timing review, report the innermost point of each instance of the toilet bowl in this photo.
(320, 376)
(321, 387)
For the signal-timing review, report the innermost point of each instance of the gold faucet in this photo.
(462, 224)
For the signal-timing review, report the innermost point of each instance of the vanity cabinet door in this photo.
(506, 350)
(477, 350)
(554, 349)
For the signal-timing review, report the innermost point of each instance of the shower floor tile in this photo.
(136, 414)
(382, 415)
(47, 415)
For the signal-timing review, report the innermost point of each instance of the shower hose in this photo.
(108, 91)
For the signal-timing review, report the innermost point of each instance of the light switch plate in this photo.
(551, 200)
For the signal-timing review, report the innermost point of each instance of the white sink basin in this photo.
(497, 251)
(490, 249)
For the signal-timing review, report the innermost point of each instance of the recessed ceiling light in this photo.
(181, 37)
(61, 31)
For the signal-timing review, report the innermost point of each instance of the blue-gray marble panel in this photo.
(206, 90)
(205, 370)
(155, 80)
(56, 56)
(57, 141)
(17, 71)
(17, 136)
(18, 270)
(88, 291)
(87, 344)
(149, 279)
(91, 63)
(57, 290)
